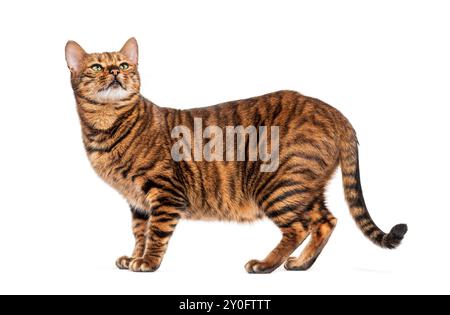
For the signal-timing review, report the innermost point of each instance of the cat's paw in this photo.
(123, 262)
(293, 263)
(143, 265)
(256, 266)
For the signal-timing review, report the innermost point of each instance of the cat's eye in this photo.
(124, 66)
(97, 67)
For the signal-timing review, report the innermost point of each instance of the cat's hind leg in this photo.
(321, 228)
(287, 211)
(140, 220)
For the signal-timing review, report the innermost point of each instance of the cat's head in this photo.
(104, 77)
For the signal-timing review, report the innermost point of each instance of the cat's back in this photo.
(268, 109)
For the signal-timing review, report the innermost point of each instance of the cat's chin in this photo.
(112, 94)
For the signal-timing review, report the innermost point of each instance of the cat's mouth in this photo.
(115, 84)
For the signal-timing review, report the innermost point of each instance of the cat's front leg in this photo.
(163, 221)
(140, 220)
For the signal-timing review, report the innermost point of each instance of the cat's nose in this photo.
(114, 71)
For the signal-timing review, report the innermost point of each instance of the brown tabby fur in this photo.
(128, 141)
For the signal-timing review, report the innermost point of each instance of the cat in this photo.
(129, 139)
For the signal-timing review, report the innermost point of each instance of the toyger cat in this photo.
(128, 142)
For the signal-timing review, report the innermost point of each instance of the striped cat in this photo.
(129, 142)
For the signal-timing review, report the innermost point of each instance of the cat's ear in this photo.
(74, 56)
(130, 49)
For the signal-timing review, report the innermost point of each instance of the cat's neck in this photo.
(105, 126)
(102, 116)
(85, 100)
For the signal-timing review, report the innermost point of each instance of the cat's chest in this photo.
(111, 170)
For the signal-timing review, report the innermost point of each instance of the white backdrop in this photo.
(384, 64)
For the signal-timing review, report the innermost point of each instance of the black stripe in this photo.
(164, 220)
(308, 173)
(348, 174)
(283, 210)
(252, 173)
(312, 157)
(359, 200)
(302, 139)
(149, 184)
(174, 193)
(361, 217)
(185, 172)
(142, 170)
(161, 234)
(178, 175)
(178, 206)
(305, 222)
(288, 224)
(277, 110)
(164, 213)
(179, 189)
(321, 221)
(264, 183)
(169, 202)
(322, 126)
(244, 165)
(138, 133)
(89, 100)
(311, 205)
(126, 171)
(283, 184)
(284, 196)
(379, 238)
(356, 187)
(236, 116)
(139, 214)
(371, 230)
(286, 159)
(122, 166)
(203, 193)
(129, 98)
(113, 130)
(217, 183)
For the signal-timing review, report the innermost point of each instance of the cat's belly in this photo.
(226, 208)
(244, 212)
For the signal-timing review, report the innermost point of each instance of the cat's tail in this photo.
(354, 195)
